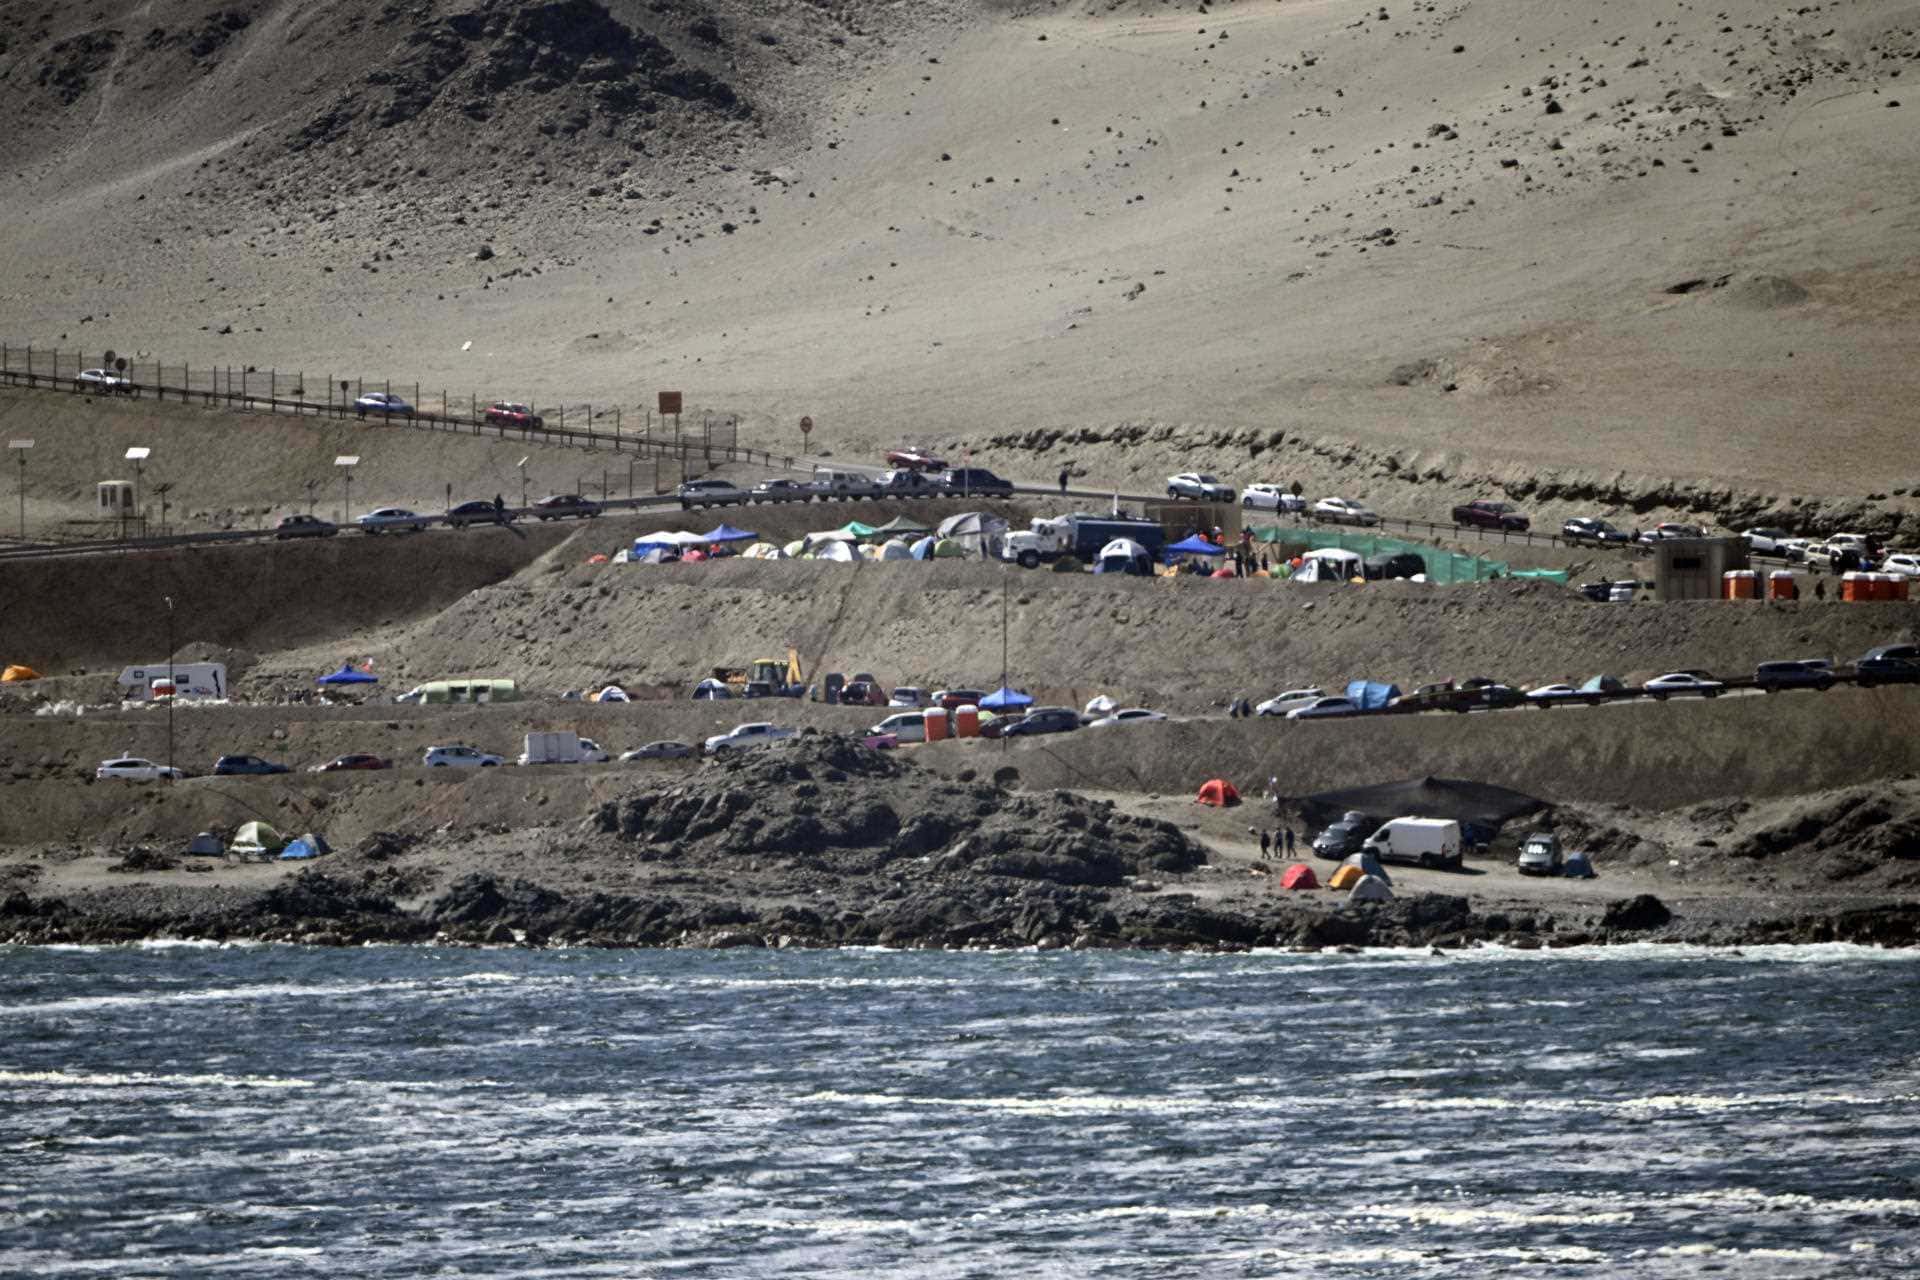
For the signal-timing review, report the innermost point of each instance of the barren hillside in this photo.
(1619, 245)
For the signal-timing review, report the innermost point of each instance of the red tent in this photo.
(1217, 791)
(1299, 876)
(1224, 573)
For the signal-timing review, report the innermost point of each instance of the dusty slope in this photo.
(1172, 643)
(944, 254)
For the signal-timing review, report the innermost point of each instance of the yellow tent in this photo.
(15, 674)
(1346, 878)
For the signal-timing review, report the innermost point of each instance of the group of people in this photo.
(1276, 842)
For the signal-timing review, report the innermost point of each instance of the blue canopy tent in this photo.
(1004, 697)
(727, 533)
(347, 675)
(1195, 546)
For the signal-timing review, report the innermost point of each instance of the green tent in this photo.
(856, 529)
(948, 549)
(257, 837)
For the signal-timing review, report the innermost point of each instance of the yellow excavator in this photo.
(768, 677)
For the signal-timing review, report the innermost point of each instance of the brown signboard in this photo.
(806, 425)
(669, 403)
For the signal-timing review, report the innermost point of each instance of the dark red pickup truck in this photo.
(1482, 513)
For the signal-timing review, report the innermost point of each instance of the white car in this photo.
(1906, 562)
(1698, 683)
(1320, 708)
(398, 519)
(458, 757)
(1765, 542)
(1548, 694)
(382, 403)
(1271, 497)
(136, 769)
(103, 380)
(743, 736)
(1342, 511)
(907, 726)
(659, 751)
(1281, 703)
(1131, 715)
(1793, 550)
(592, 752)
(906, 695)
(1196, 484)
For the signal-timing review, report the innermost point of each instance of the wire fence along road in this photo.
(713, 441)
(714, 437)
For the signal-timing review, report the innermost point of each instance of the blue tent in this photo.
(1005, 697)
(1578, 866)
(1370, 695)
(299, 849)
(1195, 546)
(347, 675)
(727, 533)
(923, 549)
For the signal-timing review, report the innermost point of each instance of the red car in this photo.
(910, 458)
(861, 693)
(519, 416)
(1484, 513)
(356, 761)
(953, 698)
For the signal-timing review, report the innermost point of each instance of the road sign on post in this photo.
(669, 403)
(806, 429)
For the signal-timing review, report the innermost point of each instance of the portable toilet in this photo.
(1853, 586)
(966, 721)
(114, 498)
(1739, 584)
(1782, 586)
(935, 718)
(1901, 586)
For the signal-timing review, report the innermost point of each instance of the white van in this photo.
(190, 680)
(907, 726)
(1424, 842)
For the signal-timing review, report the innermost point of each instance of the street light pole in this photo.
(523, 480)
(173, 696)
(347, 462)
(20, 448)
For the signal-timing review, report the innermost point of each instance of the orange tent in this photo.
(1346, 878)
(16, 673)
(1217, 791)
(1299, 876)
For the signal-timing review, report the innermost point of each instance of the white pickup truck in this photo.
(744, 736)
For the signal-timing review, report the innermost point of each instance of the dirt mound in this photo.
(827, 804)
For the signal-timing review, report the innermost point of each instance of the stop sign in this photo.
(806, 425)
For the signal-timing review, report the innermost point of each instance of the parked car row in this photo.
(828, 484)
(559, 506)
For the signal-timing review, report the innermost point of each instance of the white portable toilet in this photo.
(114, 498)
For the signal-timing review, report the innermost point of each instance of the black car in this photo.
(1399, 564)
(562, 505)
(304, 526)
(967, 481)
(1796, 674)
(1341, 839)
(1875, 669)
(479, 511)
(235, 766)
(1044, 720)
(1593, 530)
(782, 491)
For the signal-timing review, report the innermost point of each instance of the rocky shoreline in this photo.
(821, 842)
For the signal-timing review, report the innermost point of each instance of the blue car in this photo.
(230, 766)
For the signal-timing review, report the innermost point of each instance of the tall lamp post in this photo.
(523, 480)
(138, 455)
(20, 448)
(347, 462)
(174, 696)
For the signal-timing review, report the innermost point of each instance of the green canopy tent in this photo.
(854, 528)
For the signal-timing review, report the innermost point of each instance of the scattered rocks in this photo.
(1636, 914)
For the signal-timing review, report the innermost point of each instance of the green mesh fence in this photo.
(1442, 566)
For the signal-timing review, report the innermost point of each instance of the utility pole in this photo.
(138, 455)
(523, 480)
(20, 448)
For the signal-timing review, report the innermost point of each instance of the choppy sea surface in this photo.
(270, 1111)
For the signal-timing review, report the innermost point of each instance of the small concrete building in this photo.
(1693, 568)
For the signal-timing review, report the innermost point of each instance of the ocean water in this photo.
(269, 1111)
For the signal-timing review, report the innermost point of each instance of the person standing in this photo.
(1266, 844)
(1289, 842)
(1063, 480)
